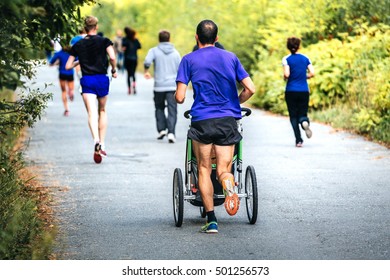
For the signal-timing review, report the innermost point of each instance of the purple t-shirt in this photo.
(213, 73)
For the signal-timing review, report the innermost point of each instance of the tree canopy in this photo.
(347, 41)
(26, 28)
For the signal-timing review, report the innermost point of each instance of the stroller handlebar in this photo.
(187, 114)
(247, 112)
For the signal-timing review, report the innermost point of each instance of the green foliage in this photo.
(351, 61)
(381, 131)
(237, 22)
(363, 70)
(372, 12)
(14, 115)
(333, 72)
(339, 116)
(20, 229)
(366, 120)
(346, 40)
(26, 28)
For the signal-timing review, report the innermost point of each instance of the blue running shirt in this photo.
(62, 56)
(213, 73)
(297, 82)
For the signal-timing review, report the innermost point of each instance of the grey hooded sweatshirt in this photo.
(166, 61)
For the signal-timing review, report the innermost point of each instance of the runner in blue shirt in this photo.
(65, 76)
(213, 73)
(297, 68)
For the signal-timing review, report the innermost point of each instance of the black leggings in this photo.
(298, 105)
(130, 65)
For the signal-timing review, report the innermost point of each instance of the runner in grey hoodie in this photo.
(166, 60)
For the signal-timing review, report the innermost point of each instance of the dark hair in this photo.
(81, 30)
(130, 33)
(66, 48)
(164, 36)
(293, 44)
(207, 31)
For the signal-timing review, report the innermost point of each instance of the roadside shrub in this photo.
(22, 231)
(20, 227)
(382, 131)
(18, 222)
(352, 79)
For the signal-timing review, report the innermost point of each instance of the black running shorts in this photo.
(218, 131)
(65, 77)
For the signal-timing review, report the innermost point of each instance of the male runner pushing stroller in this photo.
(216, 108)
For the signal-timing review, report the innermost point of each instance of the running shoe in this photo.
(299, 144)
(161, 135)
(211, 227)
(97, 157)
(306, 128)
(66, 113)
(102, 152)
(171, 138)
(228, 186)
(232, 201)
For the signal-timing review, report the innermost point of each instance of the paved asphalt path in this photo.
(327, 200)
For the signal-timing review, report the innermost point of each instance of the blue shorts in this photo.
(95, 84)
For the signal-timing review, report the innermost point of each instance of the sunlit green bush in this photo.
(352, 72)
(26, 28)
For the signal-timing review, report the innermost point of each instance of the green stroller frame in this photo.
(190, 190)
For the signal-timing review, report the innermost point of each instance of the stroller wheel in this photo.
(178, 197)
(252, 196)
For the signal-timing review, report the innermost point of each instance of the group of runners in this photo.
(214, 74)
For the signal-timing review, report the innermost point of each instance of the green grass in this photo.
(344, 117)
(337, 117)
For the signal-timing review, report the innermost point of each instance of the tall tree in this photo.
(26, 27)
